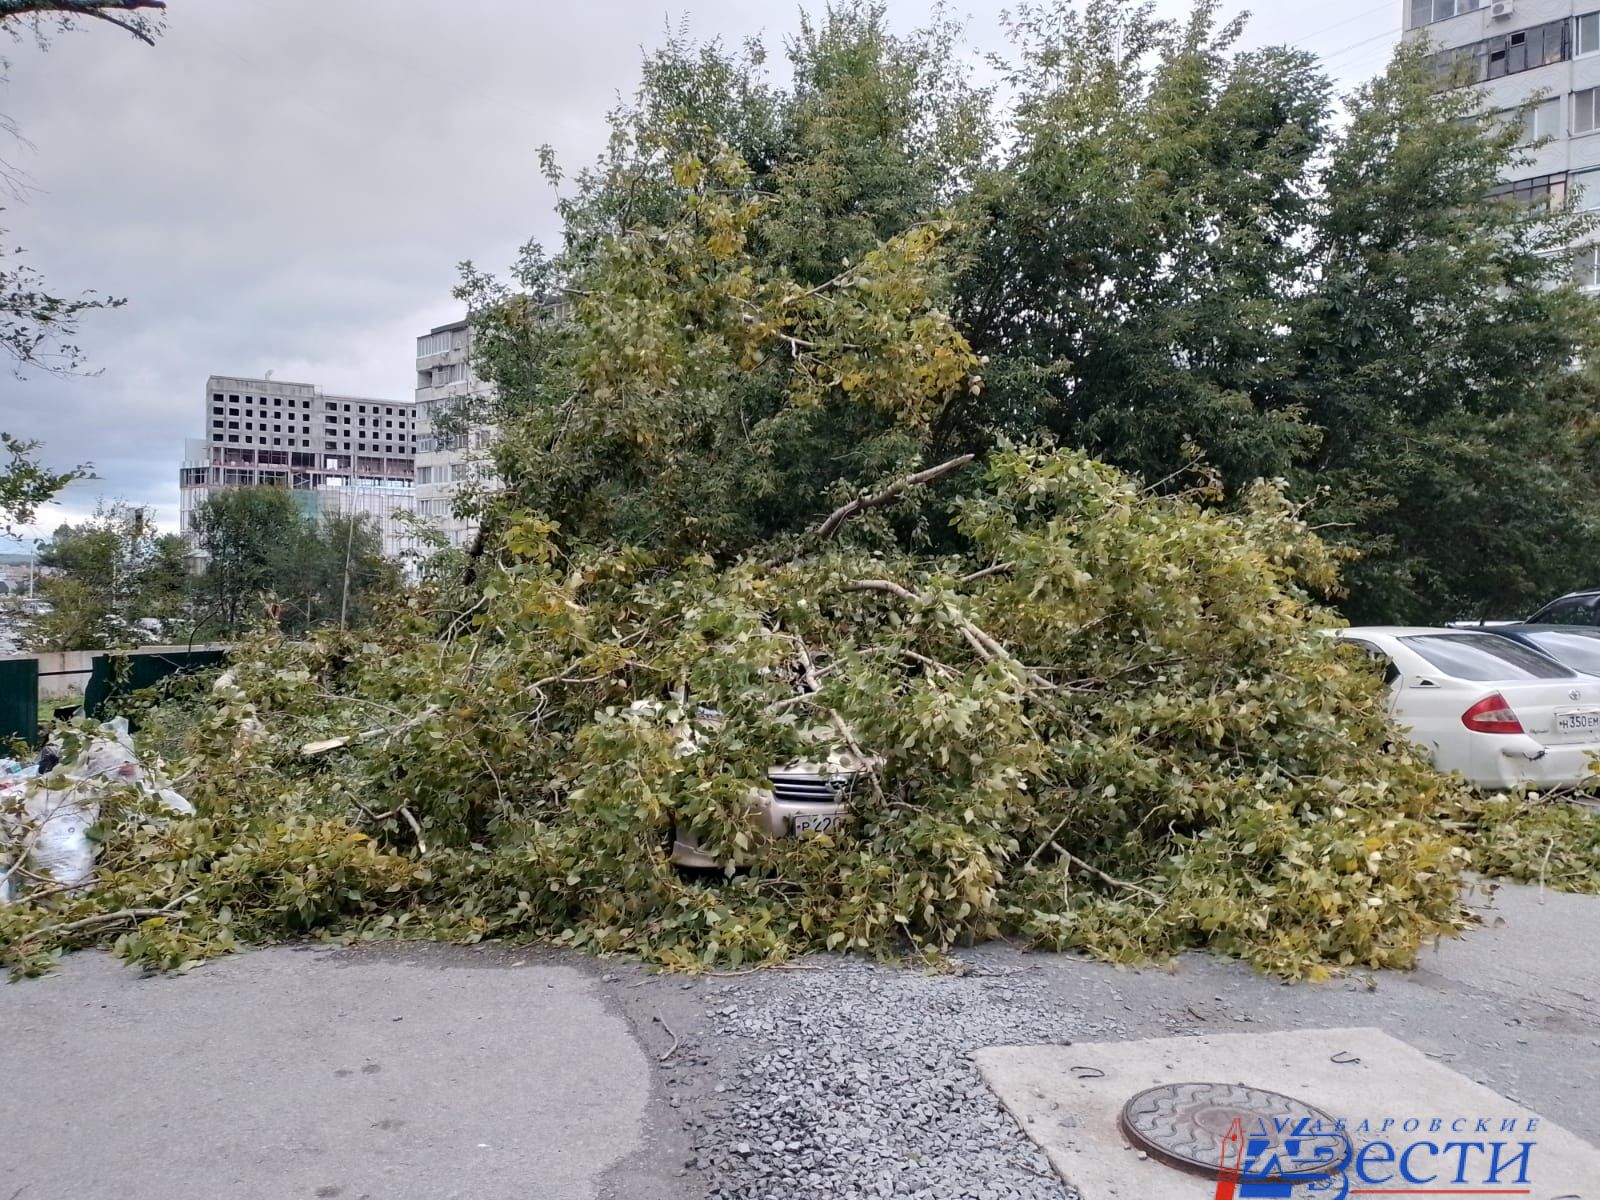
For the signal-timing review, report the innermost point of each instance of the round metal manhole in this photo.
(1186, 1125)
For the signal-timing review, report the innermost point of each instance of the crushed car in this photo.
(801, 799)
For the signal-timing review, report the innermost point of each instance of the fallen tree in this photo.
(1131, 740)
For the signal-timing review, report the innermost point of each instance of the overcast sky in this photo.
(288, 185)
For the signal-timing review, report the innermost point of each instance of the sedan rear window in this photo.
(1484, 658)
(1576, 649)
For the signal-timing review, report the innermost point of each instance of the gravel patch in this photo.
(857, 1085)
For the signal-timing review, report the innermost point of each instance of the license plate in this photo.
(820, 822)
(1576, 722)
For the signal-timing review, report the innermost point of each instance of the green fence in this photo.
(19, 699)
(114, 677)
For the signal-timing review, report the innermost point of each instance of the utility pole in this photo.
(344, 596)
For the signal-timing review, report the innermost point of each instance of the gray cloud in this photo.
(288, 184)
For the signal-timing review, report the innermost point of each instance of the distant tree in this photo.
(102, 580)
(243, 532)
(1435, 350)
(265, 554)
(1184, 257)
(331, 572)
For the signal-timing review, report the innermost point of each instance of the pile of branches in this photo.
(1119, 727)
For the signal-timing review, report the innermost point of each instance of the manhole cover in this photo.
(1185, 1125)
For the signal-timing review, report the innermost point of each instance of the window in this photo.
(1541, 189)
(1579, 649)
(330, 445)
(1569, 610)
(433, 343)
(1586, 274)
(1585, 111)
(233, 412)
(1507, 54)
(1539, 121)
(233, 424)
(1484, 658)
(1426, 12)
(233, 437)
(1586, 187)
(1588, 34)
(1390, 671)
(216, 424)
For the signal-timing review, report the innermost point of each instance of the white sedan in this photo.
(1500, 713)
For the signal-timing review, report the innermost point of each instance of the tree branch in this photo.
(997, 569)
(100, 10)
(986, 647)
(861, 503)
(892, 492)
(1111, 879)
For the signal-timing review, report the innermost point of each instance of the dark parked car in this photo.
(1574, 646)
(1576, 608)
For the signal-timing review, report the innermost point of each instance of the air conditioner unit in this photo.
(1503, 10)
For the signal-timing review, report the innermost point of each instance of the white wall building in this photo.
(346, 455)
(450, 460)
(1517, 51)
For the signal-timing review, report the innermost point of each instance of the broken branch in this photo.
(861, 503)
(892, 492)
(1098, 873)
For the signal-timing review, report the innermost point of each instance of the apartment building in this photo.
(1538, 61)
(453, 442)
(344, 455)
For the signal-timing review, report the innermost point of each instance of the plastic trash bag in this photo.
(13, 780)
(48, 825)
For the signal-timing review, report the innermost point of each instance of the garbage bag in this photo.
(48, 828)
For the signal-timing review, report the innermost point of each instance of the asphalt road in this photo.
(422, 1072)
(297, 1073)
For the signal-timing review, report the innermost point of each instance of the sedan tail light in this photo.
(1492, 715)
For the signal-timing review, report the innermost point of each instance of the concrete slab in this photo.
(1068, 1098)
(423, 1072)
